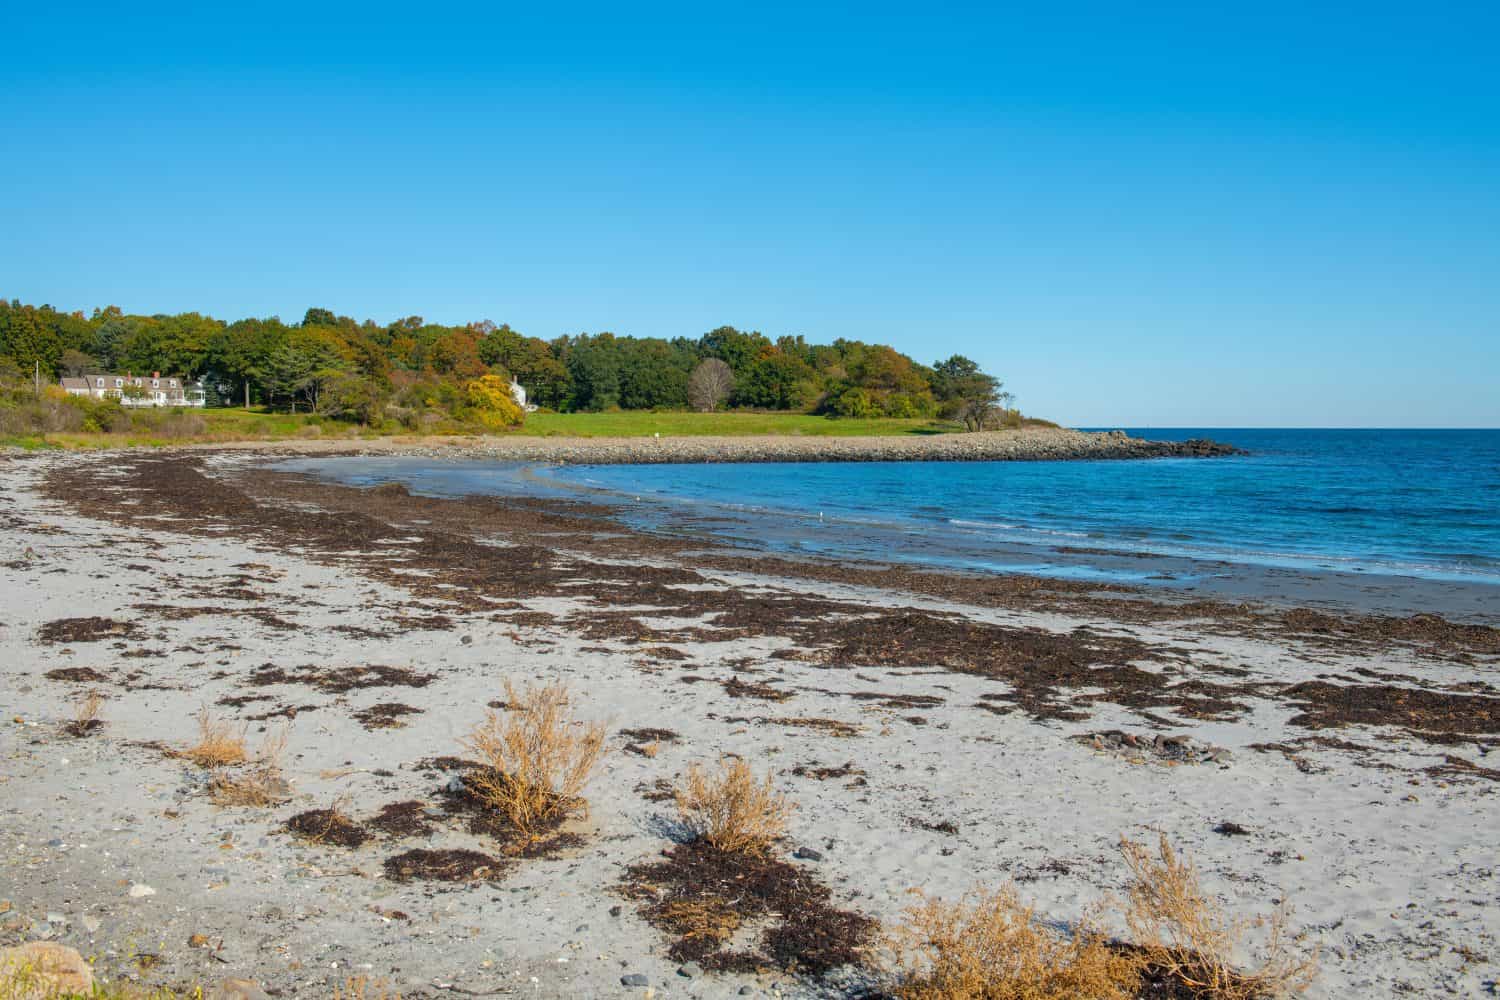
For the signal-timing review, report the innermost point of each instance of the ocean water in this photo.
(1399, 521)
(1423, 504)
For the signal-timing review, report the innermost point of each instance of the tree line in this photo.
(372, 372)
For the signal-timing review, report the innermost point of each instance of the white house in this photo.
(143, 391)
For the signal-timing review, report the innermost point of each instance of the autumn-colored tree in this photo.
(491, 403)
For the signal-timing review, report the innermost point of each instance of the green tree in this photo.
(594, 364)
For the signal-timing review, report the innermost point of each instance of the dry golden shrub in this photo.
(537, 757)
(989, 946)
(219, 743)
(261, 785)
(86, 708)
(731, 810)
(1187, 935)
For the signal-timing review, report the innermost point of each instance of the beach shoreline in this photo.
(1026, 444)
(970, 719)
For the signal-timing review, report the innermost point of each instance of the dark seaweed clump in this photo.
(443, 866)
(403, 819)
(84, 630)
(327, 826)
(702, 896)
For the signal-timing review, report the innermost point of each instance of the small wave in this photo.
(1002, 526)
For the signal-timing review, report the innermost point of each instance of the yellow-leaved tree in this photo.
(491, 403)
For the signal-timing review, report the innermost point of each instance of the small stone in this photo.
(808, 854)
(614, 911)
(635, 979)
(746, 990)
(56, 918)
(691, 970)
(580, 928)
(467, 640)
(198, 941)
(141, 891)
(91, 924)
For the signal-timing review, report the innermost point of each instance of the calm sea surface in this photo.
(1393, 504)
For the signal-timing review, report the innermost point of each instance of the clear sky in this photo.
(1186, 215)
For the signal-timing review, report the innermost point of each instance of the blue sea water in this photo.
(1395, 522)
(1414, 503)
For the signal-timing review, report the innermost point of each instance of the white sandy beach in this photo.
(1391, 871)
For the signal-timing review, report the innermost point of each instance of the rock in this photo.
(746, 991)
(691, 970)
(808, 854)
(467, 640)
(141, 891)
(55, 969)
(236, 989)
(615, 911)
(635, 979)
(91, 924)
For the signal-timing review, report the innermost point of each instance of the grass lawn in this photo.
(261, 425)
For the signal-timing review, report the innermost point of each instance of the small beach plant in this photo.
(261, 785)
(991, 946)
(219, 743)
(1186, 934)
(731, 810)
(86, 708)
(537, 758)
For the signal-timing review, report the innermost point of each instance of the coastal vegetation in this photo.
(411, 376)
(731, 810)
(536, 759)
(992, 946)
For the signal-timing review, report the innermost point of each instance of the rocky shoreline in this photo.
(1029, 444)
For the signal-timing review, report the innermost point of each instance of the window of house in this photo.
(119, 382)
(99, 383)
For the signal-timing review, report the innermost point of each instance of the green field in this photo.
(216, 425)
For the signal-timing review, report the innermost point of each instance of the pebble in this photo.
(635, 979)
(141, 891)
(691, 970)
(808, 854)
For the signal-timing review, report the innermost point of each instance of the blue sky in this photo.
(1277, 216)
